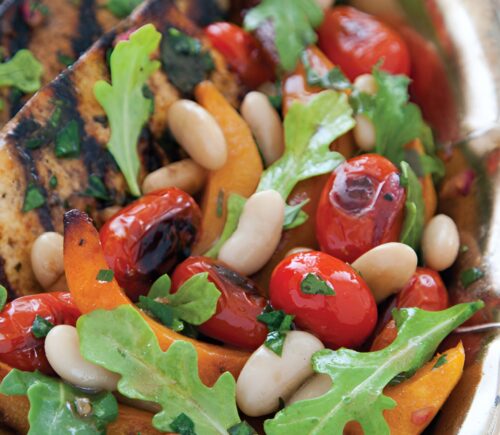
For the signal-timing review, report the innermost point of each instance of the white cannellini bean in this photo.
(366, 83)
(265, 124)
(186, 174)
(387, 268)
(440, 242)
(47, 260)
(62, 347)
(198, 133)
(257, 235)
(297, 250)
(266, 377)
(325, 4)
(364, 133)
(315, 386)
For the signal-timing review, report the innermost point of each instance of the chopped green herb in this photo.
(440, 362)
(97, 189)
(34, 143)
(163, 312)
(53, 404)
(220, 203)
(121, 340)
(122, 8)
(123, 100)
(68, 141)
(470, 276)
(293, 26)
(184, 60)
(23, 72)
(464, 249)
(3, 297)
(53, 182)
(34, 198)
(183, 425)
(314, 285)
(105, 275)
(278, 323)
(242, 428)
(55, 118)
(64, 59)
(41, 327)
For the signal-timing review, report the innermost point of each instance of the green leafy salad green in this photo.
(123, 100)
(23, 72)
(303, 16)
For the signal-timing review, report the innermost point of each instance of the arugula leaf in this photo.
(123, 100)
(314, 285)
(309, 131)
(121, 341)
(194, 302)
(335, 79)
(57, 408)
(41, 327)
(3, 297)
(294, 215)
(293, 26)
(122, 8)
(278, 323)
(359, 378)
(235, 204)
(413, 225)
(23, 72)
(184, 60)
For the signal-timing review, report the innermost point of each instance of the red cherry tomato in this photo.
(243, 52)
(235, 321)
(361, 206)
(425, 290)
(150, 237)
(19, 348)
(356, 42)
(346, 318)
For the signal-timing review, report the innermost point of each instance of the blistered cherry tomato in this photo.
(345, 318)
(356, 42)
(361, 206)
(243, 52)
(150, 237)
(19, 348)
(235, 321)
(425, 290)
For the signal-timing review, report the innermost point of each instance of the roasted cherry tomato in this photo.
(235, 321)
(150, 237)
(243, 52)
(425, 290)
(19, 348)
(362, 206)
(356, 42)
(345, 318)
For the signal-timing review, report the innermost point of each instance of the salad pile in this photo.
(280, 275)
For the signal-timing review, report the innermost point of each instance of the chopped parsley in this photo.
(53, 182)
(278, 323)
(33, 198)
(64, 59)
(68, 141)
(242, 428)
(183, 425)
(184, 60)
(3, 297)
(440, 362)
(105, 275)
(314, 285)
(41, 327)
(122, 8)
(97, 189)
(470, 276)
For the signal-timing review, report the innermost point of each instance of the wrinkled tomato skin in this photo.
(356, 42)
(150, 237)
(425, 290)
(19, 348)
(361, 206)
(235, 321)
(345, 319)
(243, 52)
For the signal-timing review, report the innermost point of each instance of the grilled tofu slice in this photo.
(28, 162)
